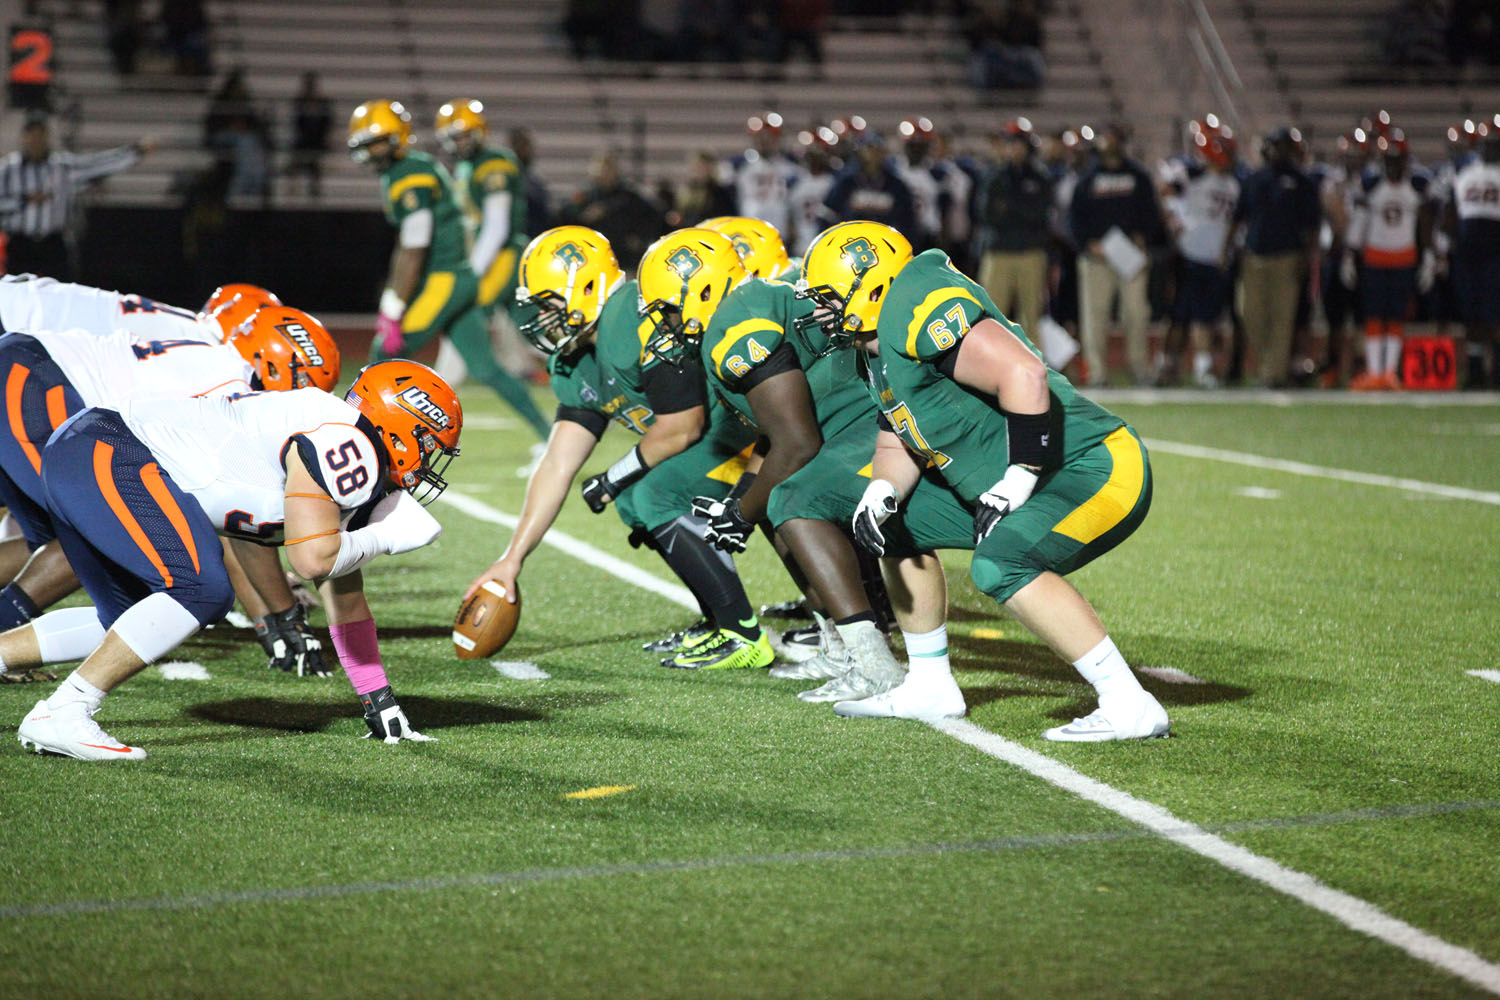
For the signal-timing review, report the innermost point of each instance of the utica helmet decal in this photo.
(685, 262)
(861, 254)
(297, 334)
(417, 402)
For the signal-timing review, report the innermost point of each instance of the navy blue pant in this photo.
(126, 528)
(37, 399)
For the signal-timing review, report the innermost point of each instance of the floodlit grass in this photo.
(770, 849)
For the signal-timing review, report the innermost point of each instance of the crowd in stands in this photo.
(176, 36)
(1221, 265)
(1443, 34)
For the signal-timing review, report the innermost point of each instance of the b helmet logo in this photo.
(741, 245)
(570, 255)
(861, 255)
(298, 335)
(685, 262)
(417, 402)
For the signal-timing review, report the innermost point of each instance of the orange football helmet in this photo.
(232, 304)
(417, 419)
(288, 349)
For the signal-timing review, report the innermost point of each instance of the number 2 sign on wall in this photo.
(30, 67)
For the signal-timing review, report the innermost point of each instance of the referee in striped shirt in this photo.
(37, 188)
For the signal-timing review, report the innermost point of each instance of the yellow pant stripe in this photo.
(1116, 498)
(499, 274)
(435, 293)
(731, 470)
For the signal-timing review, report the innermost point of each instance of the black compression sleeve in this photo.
(1032, 442)
(672, 390)
(783, 359)
(593, 421)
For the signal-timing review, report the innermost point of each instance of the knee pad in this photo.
(1001, 576)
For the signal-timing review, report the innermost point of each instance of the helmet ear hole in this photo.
(588, 289)
(876, 292)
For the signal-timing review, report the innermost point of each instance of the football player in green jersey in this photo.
(759, 245)
(585, 318)
(1050, 480)
(814, 415)
(491, 187)
(431, 289)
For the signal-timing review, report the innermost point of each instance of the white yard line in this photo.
(1321, 471)
(1350, 911)
(1493, 676)
(578, 549)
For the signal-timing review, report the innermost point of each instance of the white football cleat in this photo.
(795, 645)
(1138, 717)
(819, 668)
(849, 686)
(71, 731)
(936, 698)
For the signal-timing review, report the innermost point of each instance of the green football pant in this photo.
(710, 467)
(1076, 514)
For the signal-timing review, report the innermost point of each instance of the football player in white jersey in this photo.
(28, 303)
(805, 199)
(762, 176)
(1201, 215)
(138, 495)
(49, 376)
(914, 166)
(1475, 218)
(1391, 232)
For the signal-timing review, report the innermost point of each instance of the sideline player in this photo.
(811, 409)
(431, 289)
(1042, 480)
(136, 496)
(602, 369)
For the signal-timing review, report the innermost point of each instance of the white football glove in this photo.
(386, 720)
(1348, 270)
(878, 503)
(1426, 272)
(1010, 492)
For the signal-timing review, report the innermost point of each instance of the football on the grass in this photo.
(485, 622)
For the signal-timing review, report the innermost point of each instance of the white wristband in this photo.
(391, 306)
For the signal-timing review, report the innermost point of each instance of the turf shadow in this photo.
(1035, 661)
(314, 716)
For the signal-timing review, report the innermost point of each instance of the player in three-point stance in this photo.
(137, 494)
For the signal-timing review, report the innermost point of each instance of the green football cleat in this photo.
(725, 651)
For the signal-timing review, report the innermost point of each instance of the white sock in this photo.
(927, 654)
(1106, 670)
(1392, 355)
(75, 689)
(1372, 355)
(1203, 364)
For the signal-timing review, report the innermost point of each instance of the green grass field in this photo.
(764, 847)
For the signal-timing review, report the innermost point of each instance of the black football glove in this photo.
(877, 504)
(728, 530)
(386, 720)
(598, 491)
(291, 643)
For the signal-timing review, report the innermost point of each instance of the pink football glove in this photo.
(388, 335)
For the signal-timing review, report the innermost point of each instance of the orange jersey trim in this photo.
(1376, 257)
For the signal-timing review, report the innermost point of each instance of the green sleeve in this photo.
(940, 322)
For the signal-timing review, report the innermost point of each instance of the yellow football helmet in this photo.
(566, 275)
(683, 278)
(376, 120)
(459, 118)
(756, 241)
(848, 272)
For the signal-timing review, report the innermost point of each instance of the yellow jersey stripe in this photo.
(737, 333)
(490, 166)
(928, 304)
(1116, 498)
(405, 184)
